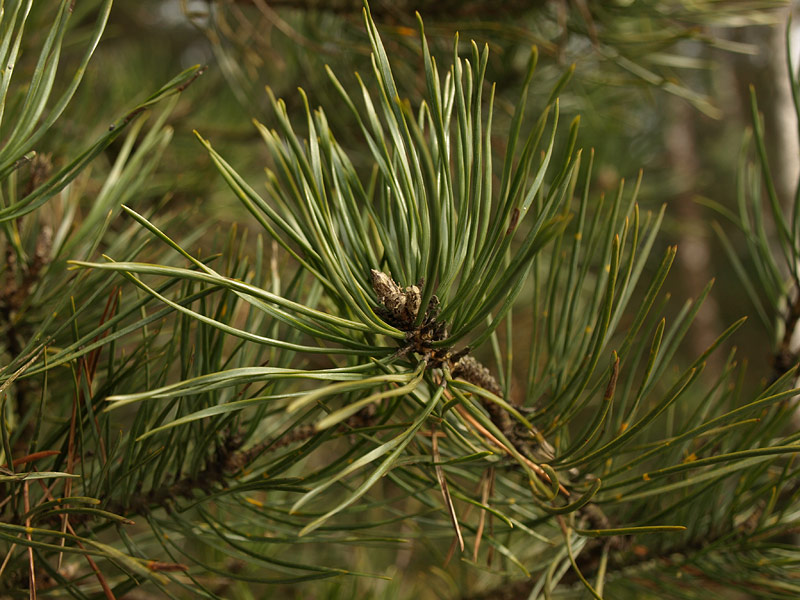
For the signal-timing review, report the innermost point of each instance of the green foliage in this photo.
(258, 409)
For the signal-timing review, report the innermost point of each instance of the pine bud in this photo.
(402, 305)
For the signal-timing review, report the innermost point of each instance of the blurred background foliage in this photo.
(660, 85)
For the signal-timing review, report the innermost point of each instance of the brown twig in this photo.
(448, 501)
(92, 565)
(19, 280)
(486, 484)
(489, 436)
(227, 462)
(32, 457)
(785, 358)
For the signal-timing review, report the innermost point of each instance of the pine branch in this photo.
(627, 560)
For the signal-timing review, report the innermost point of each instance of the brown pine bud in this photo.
(402, 305)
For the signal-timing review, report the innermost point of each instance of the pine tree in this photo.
(460, 352)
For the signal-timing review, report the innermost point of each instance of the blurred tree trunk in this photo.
(767, 72)
(694, 254)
